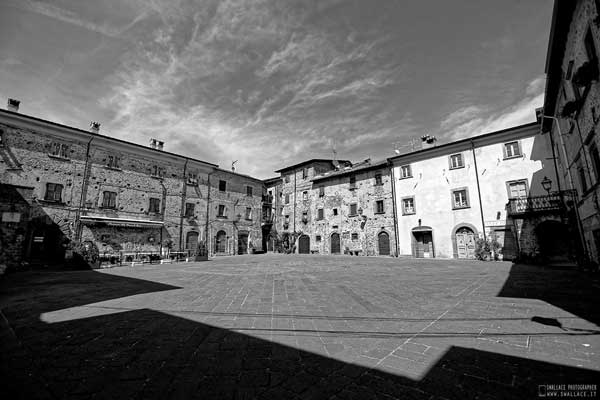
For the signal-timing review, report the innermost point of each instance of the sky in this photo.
(270, 83)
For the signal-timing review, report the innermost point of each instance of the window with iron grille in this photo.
(408, 206)
(189, 209)
(460, 198)
(249, 191)
(221, 212)
(222, 186)
(405, 172)
(352, 212)
(379, 207)
(53, 192)
(248, 213)
(60, 150)
(113, 162)
(320, 214)
(109, 200)
(154, 206)
(157, 171)
(512, 149)
(456, 161)
(378, 180)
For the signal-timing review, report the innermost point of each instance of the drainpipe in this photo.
(295, 173)
(478, 190)
(84, 186)
(396, 239)
(183, 198)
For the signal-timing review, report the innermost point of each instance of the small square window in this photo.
(249, 213)
(113, 161)
(109, 200)
(157, 171)
(352, 212)
(378, 180)
(335, 211)
(512, 149)
(456, 161)
(321, 191)
(287, 199)
(352, 182)
(379, 207)
(408, 206)
(53, 192)
(320, 214)
(222, 186)
(154, 206)
(221, 212)
(60, 150)
(355, 236)
(405, 172)
(287, 218)
(189, 209)
(460, 199)
(249, 191)
(318, 238)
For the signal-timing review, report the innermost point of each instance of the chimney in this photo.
(153, 143)
(428, 141)
(159, 145)
(94, 127)
(13, 105)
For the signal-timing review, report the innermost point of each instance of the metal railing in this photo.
(553, 202)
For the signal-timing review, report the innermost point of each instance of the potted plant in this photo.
(483, 250)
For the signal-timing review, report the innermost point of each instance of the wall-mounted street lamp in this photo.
(547, 184)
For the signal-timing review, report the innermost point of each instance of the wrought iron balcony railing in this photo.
(553, 202)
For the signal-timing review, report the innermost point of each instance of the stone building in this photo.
(272, 210)
(132, 202)
(352, 211)
(572, 111)
(450, 195)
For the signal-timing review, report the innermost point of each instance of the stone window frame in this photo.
(317, 238)
(515, 181)
(153, 205)
(287, 198)
(221, 211)
(52, 189)
(113, 161)
(192, 179)
(305, 195)
(455, 205)
(320, 214)
(109, 200)
(377, 208)
(59, 150)
(406, 171)
(353, 209)
(222, 185)
(335, 211)
(248, 214)
(514, 144)
(354, 236)
(379, 179)
(189, 210)
(405, 210)
(249, 190)
(459, 164)
(321, 191)
(157, 172)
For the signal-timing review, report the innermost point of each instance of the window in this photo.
(305, 216)
(222, 186)
(53, 192)
(595, 160)
(59, 150)
(352, 182)
(109, 200)
(460, 198)
(221, 212)
(517, 189)
(287, 179)
(157, 171)
(355, 236)
(335, 211)
(456, 161)
(319, 214)
(408, 206)
(378, 180)
(154, 206)
(287, 199)
(249, 213)
(1, 137)
(114, 162)
(379, 207)
(512, 149)
(249, 191)
(192, 179)
(304, 173)
(189, 209)
(318, 238)
(287, 218)
(405, 172)
(590, 47)
(352, 211)
(305, 195)
(321, 191)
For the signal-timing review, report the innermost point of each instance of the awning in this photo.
(132, 223)
(422, 229)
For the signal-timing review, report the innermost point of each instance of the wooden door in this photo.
(335, 243)
(191, 242)
(242, 243)
(221, 242)
(465, 243)
(304, 244)
(384, 244)
(427, 245)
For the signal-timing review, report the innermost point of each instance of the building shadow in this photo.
(567, 289)
(147, 354)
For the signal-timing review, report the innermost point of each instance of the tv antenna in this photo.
(233, 165)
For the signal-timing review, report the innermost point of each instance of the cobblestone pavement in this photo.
(285, 327)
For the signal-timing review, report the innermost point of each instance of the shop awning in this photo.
(131, 223)
(422, 229)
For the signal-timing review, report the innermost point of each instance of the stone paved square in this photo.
(304, 326)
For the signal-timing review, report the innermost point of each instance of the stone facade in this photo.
(572, 108)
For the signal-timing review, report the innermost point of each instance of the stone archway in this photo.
(221, 242)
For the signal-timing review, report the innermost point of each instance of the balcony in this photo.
(266, 199)
(550, 203)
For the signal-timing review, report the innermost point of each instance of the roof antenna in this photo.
(233, 165)
(333, 150)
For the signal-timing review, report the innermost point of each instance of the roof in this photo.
(559, 30)
(311, 161)
(487, 137)
(238, 174)
(77, 130)
(271, 181)
(358, 167)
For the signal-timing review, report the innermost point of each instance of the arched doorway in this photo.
(304, 244)
(465, 242)
(335, 243)
(554, 240)
(242, 243)
(422, 242)
(191, 242)
(221, 242)
(383, 240)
